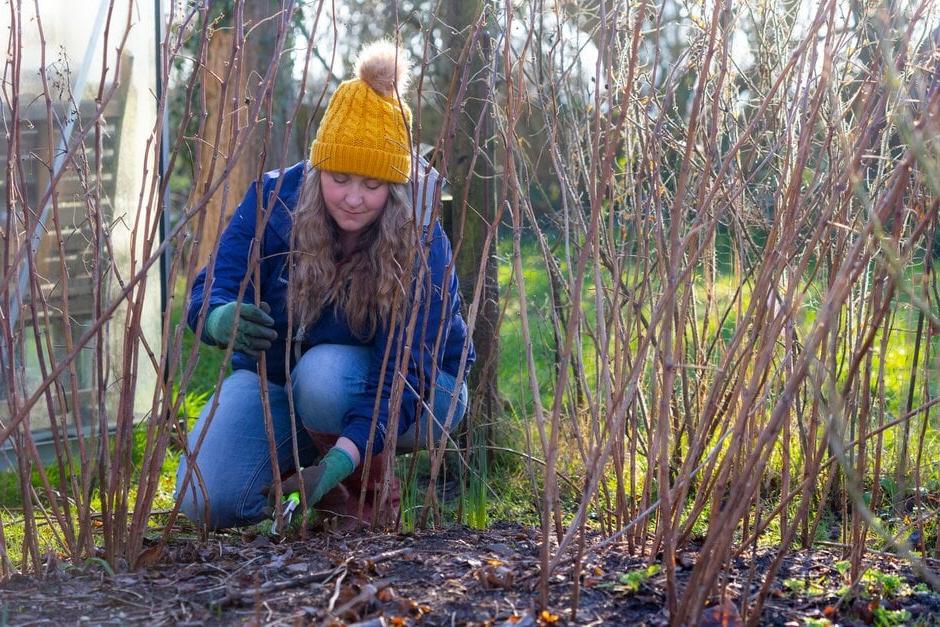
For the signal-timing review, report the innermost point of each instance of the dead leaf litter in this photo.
(449, 576)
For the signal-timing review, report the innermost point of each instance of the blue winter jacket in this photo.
(440, 300)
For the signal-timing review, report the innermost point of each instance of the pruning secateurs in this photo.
(290, 503)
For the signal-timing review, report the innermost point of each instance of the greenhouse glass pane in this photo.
(79, 212)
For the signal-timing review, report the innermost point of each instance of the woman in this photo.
(332, 254)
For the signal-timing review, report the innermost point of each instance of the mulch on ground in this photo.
(450, 576)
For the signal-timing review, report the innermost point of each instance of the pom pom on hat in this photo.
(382, 66)
(366, 127)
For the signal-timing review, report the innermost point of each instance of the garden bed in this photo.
(437, 577)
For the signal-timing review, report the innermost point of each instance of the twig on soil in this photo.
(387, 555)
(237, 597)
(365, 595)
(339, 583)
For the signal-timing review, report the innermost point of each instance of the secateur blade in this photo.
(290, 503)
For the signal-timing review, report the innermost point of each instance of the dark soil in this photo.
(452, 576)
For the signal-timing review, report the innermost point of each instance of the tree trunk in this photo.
(258, 37)
(220, 111)
(473, 209)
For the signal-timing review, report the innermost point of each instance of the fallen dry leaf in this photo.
(223, 579)
(723, 615)
(413, 607)
(496, 577)
(149, 557)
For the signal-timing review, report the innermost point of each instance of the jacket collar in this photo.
(429, 183)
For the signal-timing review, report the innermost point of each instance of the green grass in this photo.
(896, 358)
(477, 494)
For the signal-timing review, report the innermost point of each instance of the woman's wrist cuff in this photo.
(336, 466)
(341, 460)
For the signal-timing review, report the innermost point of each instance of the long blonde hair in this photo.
(366, 286)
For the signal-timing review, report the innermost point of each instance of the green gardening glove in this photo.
(252, 327)
(335, 466)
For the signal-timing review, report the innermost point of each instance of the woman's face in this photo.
(354, 202)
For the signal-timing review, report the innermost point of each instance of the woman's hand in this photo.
(253, 327)
(335, 466)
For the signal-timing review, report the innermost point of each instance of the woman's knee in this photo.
(212, 491)
(204, 500)
(221, 496)
(326, 382)
(220, 484)
(216, 501)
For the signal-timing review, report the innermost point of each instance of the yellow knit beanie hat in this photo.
(366, 127)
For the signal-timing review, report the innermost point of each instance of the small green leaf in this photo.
(885, 618)
(889, 486)
(808, 176)
(631, 581)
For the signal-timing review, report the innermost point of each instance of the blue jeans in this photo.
(233, 465)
